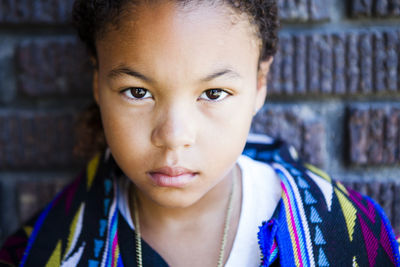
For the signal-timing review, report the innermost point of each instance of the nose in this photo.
(174, 129)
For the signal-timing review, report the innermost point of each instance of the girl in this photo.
(177, 84)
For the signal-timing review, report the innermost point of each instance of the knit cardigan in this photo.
(318, 222)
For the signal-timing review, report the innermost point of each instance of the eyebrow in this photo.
(124, 70)
(222, 72)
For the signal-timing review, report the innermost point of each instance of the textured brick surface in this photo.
(374, 135)
(49, 67)
(363, 62)
(35, 11)
(308, 137)
(311, 10)
(36, 139)
(387, 194)
(34, 195)
(376, 8)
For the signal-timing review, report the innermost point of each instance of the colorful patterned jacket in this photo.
(318, 222)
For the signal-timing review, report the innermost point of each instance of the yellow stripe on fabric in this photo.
(291, 230)
(318, 172)
(355, 264)
(116, 256)
(55, 258)
(72, 228)
(91, 170)
(349, 212)
(28, 230)
(341, 186)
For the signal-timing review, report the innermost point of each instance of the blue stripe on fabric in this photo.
(113, 230)
(297, 219)
(36, 229)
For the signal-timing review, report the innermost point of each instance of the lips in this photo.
(172, 176)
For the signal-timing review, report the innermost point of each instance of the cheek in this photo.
(125, 132)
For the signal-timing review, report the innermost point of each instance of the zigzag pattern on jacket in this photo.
(318, 222)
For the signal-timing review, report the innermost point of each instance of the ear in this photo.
(263, 71)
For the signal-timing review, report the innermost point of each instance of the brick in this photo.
(326, 65)
(392, 60)
(313, 61)
(287, 65)
(300, 72)
(274, 76)
(352, 63)
(53, 67)
(376, 8)
(374, 136)
(36, 11)
(8, 88)
(303, 10)
(313, 146)
(353, 70)
(358, 131)
(366, 63)
(307, 137)
(319, 9)
(386, 199)
(396, 209)
(339, 63)
(34, 195)
(37, 139)
(391, 146)
(379, 62)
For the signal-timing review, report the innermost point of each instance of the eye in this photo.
(214, 94)
(137, 93)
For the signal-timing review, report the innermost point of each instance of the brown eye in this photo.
(214, 94)
(137, 93)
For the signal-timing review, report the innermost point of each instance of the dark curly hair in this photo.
(92, 18)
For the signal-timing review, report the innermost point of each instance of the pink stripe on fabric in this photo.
(293, 224)
(114, 246)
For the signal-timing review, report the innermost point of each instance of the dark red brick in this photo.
(50, 67)
(36, 11)
(37, 139)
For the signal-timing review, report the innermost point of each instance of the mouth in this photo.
(176, 177)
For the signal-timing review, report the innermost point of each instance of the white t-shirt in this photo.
(261, 192)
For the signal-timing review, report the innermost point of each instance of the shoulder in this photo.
(325, 222)
(60, 211)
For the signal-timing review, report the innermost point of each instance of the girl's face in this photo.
(177, 89)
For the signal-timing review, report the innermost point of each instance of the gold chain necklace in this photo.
(138, 237)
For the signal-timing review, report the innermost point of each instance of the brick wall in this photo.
(334, 93)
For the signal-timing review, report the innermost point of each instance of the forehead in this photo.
(191, 35)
